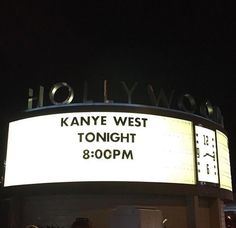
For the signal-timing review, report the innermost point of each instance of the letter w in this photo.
(162, 99)
(120, 120)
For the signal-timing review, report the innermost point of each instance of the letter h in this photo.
(39, 98)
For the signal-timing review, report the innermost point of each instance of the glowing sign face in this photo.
(224, 161)
(207, 164)
(100, 146)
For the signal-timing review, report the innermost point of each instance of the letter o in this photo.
(207, 110)
(57, 86)
(192, 103)
(87, 136)
(107, 154)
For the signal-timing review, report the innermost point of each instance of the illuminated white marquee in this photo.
(100, 146)
(224, 161)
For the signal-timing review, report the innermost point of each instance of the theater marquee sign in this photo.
(115, 146)
(70, 142)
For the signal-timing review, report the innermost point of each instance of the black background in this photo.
(189, 48)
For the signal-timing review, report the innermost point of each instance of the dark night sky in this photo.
(188, 48)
